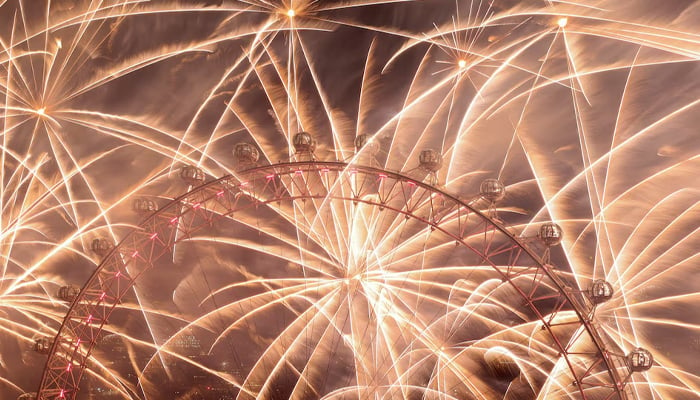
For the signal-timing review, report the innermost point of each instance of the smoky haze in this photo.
(334, 277)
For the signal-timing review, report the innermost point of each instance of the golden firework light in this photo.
(350, 199)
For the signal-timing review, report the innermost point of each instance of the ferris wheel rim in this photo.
(314, 165)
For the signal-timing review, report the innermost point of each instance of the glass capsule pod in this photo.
(144, 205)
(551, 234)
(246, 153)
(640, 360)
(101, 246)
(303, 142)
(430, 160)
(68, 293)
(192, 175)
(492, 190)
(600, 291)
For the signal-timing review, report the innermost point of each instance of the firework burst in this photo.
(399, 249)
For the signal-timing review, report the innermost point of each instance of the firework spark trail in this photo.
(41, 98)
(599, 224)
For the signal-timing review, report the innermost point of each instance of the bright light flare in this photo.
(395, 296)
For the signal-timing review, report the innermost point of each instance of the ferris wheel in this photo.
(344, 281)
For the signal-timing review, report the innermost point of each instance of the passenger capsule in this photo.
(42, 345)
(144, 205)
(492, 190)
(68, 293)
(304, 143)
(192, 175)
(600, 291)
(364, 141)
(550, 234)
(27, 396)
(640, 360)
(246, 153)
(430, 160)
(101, 246)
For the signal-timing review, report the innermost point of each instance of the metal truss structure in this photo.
(586, 366)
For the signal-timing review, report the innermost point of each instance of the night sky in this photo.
(366, 260)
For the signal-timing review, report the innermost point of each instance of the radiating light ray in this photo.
(500, 105)
(595, 200)
(639, 184)
(621, 147)
(320, 307)
(278, 63)
(640, 27)
(464, 128)
(673, 268)
(614, 136)
(298, 260)
(673, 222)
(283, 334)
(213, 92)
(180, 357)
(678, 374)
(525, 105)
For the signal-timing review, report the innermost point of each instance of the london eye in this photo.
(349, 199)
